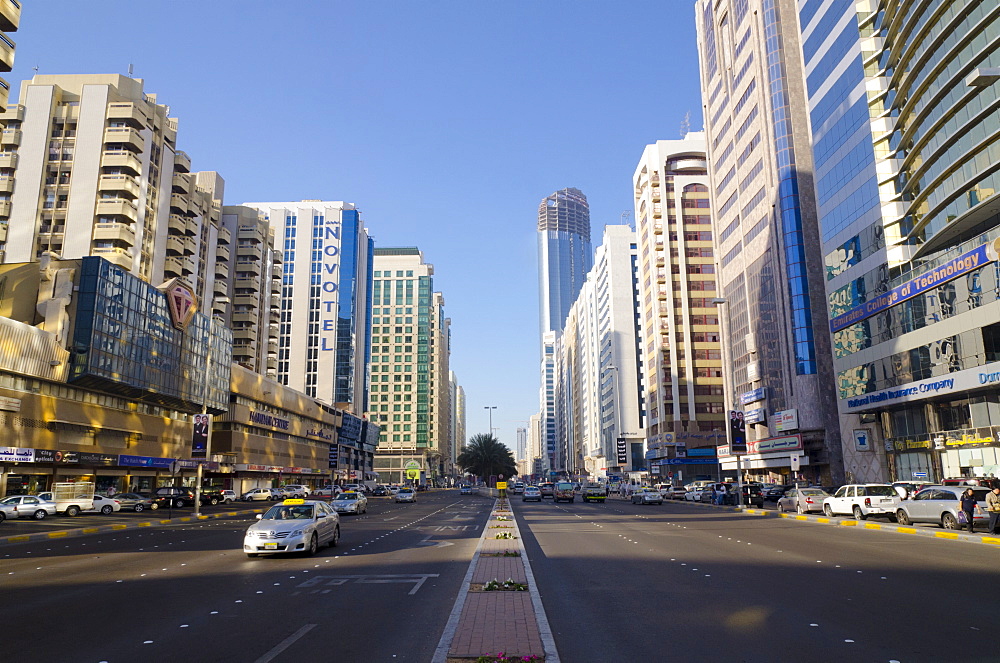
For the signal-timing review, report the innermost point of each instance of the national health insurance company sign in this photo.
(970, 378)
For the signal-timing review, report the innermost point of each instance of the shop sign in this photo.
(862, 440)
(67, 457)
(752, 396)
(144, 461)
(16, 455)
(321, 433)
(754, 416)
(959, 381)
(967, 439)
(10, 404)
(786, 420)
(621, 451)
(723, 450)
(247, 467)
(264, 419)
(96, 459)
(904, 444)
(45, 455)
(773, 444)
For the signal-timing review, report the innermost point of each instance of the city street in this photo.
(618, 582)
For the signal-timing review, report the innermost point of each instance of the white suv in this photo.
(295, 490)
(863, 500)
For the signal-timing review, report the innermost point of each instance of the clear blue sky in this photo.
(446, 122)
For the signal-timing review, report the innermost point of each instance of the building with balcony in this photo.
(769, 277)
(10, 20)
(679, 334)
(409, 368)
(904, 101)
(323, 318)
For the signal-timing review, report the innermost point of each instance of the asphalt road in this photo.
(187, 591)
(624, 582)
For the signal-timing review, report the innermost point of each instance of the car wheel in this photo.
(40, 514)
(178, 503)
(799, 509)
(336, 537)
(72, 510)
(107, 509)
(213, 501)
(949, 521)
(3, 516)
(902, 518)
(858, 514)
(154, 506)
(313, 545)
(138, 508)
(828, 511)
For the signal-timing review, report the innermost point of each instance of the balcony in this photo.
(272, 363)
(118, 256)
(179, 203)
(7, 47)
(222, 253)
(182, 182)
(8, 159)
(122, 159)
(182, 163)
(127, 112)
(6, 184)
(244, 300)
(219, 288)
(274, 315)
(125, 136)
(247, 282)
(4, 208)
(117, 207)
(10, 15)
(177, 224)
(119, 183)
(4, 96)
(221, 270)
(11, 137)
(3, 232)
(14, 111)
(252, 252)
(272, 347)
(173, 265)
(115, 232)
(192, 227)
(248, 232)
(225, 237)
(248, 317)
(175, 245)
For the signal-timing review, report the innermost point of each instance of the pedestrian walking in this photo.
(993, 507)
(967, 504)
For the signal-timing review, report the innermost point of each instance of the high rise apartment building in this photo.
(91, 168)
(904, 101)
(324, 299)
(680, 353)
(458, 426)
(409, 367)
(565, 255)
(769, 278)
(10, 19)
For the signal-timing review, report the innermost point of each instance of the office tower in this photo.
(409, 367)
(324, 326)
(565, 254)
(770, 276)
(10, 19)
(679, 351)
(457, 418)
(253, 275)
(522, 443)
(93, 170)
(903, 99)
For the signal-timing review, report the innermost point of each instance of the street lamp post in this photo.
(490, 408)
(204, 412)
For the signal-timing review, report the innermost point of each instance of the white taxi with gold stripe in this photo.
(295, 525)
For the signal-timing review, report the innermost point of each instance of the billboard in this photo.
(737, 432)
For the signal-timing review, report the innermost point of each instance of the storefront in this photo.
(771, 460)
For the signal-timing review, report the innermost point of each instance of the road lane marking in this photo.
(285, 644)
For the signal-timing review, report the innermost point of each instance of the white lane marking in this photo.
(285, 644)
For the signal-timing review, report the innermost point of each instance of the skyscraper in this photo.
(770, 275)
(565, 256)
(326, 282)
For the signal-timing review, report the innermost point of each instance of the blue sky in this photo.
(445, 122)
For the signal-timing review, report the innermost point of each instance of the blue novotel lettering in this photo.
(989, 378)
(330, 284)
(952, 269)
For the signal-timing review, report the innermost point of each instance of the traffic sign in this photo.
(501, 485)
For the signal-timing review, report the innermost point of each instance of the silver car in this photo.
(28, 506)
(406, 495)
(939, 504)
(647, 496)
(350, 502)
(295, 525)
(803, 500)
(135, 501)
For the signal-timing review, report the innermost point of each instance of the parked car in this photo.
(863, 500)
(136, 501)
(776, 492)
(105, 505)
(647, 496)
(8, 511)
(295, 525)
(294, 491)
(28, 506)
(803, 500)
(173, 495)
(258, 495)
(907, 489)
(676, 492)
(969, 481)
(350, 502)
(752, 495)
(939, 504)
(547, 488)
(563, 491)
(228, 496)
(406, 495)
(694, 494)
(531, 494)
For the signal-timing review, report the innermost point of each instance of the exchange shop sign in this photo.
(963, 264)
(16, 455)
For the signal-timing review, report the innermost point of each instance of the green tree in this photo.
(486, 456)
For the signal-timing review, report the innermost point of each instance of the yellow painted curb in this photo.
(798, 517)
(945, 535)
(165, 521)
(185, 520)
(906, 530)
(991, 539)
(18, 539)
(849, 523)
(119, 527)
(823, 520)
(144, 524)
(91, 530)
(873, 526)
(56, 535)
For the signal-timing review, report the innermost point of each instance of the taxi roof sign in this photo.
(292, 502)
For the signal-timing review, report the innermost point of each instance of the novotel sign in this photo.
(952, 269)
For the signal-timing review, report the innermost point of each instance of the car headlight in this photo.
(298, 532)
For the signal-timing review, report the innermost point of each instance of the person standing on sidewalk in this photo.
(967, 504)
(993, 507)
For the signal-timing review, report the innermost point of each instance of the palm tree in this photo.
(486, 456)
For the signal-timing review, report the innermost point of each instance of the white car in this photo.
(647, 496)
(803, 500)
(863, 500)
(350, 502)
(295, 525)
(28, 506)
(229, 496)
(105, 505)
(406, 495)
(258, 495)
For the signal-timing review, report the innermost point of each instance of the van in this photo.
(563, 491)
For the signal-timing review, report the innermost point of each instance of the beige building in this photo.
(10, 19)
(409, 368)
(679, 334)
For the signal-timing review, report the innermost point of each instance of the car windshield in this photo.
(405, 490)
(811, 491)
(346, 497)
(281, 512)
(564, 486)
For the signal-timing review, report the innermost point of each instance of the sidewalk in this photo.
(500, 622)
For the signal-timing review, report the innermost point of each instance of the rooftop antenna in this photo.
(686, 124)
(35, 69)
(626, 218)
(130, 70)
